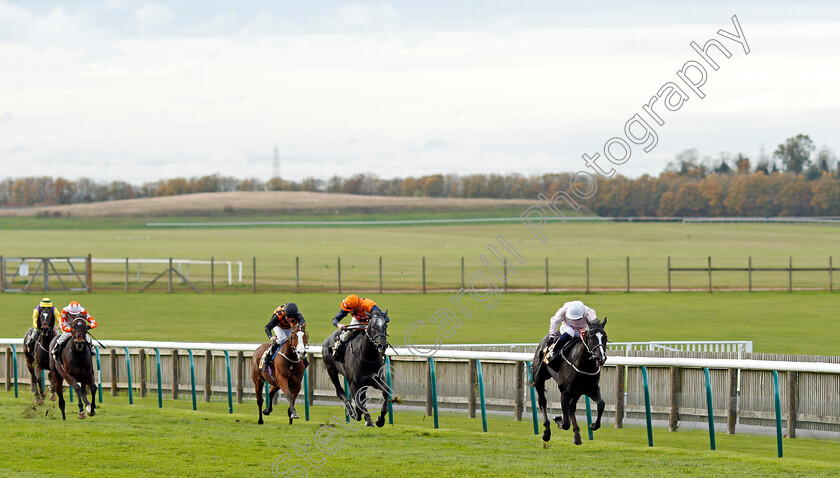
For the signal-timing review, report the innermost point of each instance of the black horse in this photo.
(38, 356)
(363, 367)
(577, 371)
(75, 366)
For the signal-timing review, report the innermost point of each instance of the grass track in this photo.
(144, 441)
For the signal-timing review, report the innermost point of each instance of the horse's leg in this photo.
(81, 395)
(92, 388)
(572, 406)
(563, 421)
(595, 394)
(59, 389)
(539, 386)
(34, 382)
(52, 376)
(258, 389)
(361, 404)
(272, 391)
(380, 422)
(291, 396)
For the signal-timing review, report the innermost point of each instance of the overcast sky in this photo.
(140, 91)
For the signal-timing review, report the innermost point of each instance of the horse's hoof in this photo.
(260, 422)
(594, 426)
(294, 415)
(266, 411)
(369, 424)
(578, 441)
(38, 401)
(53, 397)
(546, 435)
(91, 412)
(82, 415)
(380, 422)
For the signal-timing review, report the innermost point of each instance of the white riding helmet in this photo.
(74, 308)
(576, 310)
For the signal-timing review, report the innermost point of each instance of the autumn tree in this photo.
(795, 153)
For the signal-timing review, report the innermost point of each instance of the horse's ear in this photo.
(386, 312)
(604, 324)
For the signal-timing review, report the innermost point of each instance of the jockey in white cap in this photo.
(567, 323)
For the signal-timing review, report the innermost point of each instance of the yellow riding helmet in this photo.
(46, 302)
(350, 302)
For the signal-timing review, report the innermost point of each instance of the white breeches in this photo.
(566, 329)
(282, 334)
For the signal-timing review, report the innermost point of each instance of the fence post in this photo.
(504, 272)
(297, 274)
(628, 273)
(790, 273)
(142, 358)
(424, 274)
(462, 272)
(192, 376)
(2, 274)
(128, 375)
(589, 418)
(533, 398)
(114, 373)
(339, 274)
(519, 402)
(647, 406)
(160, 386)
(229, 385)
(8, 368)
(749, 274)
(587, 275)
(428, 391)
(212, 275)
(175, 374)
(15, 368)
(170, 275)
(546, 275)
(669, 273)
(471, 393)
(830, 276)
(240, 370)
(732, 416)
(254, 275)
(674, 415)
(793, 402)
(306, 395)
(619, 396)
(778, 407)
(481, 395)
(380, 274)
(710, 409)
(710, 274)
(126, 274)
(88, 273)
(390, 390)
(98, 373)
(208, 375)
(312, 371)
(434, 389)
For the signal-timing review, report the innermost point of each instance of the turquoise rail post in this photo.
(266, 394)
(14, 368)
(481, 394)
(588, 418)
(434, 390)
(710, 409)
(128, 373)
(71, 393)
(192, 376)
(349, 400)
(160, 388)
(43, 379)
(533, 398)
(98, 372)
(778, 413)
(230, 385)
(647, 406)
(390, 390)
(305, 395)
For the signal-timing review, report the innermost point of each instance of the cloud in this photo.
(363, 18)
(436, 144)
(151, 17)
(6, 117)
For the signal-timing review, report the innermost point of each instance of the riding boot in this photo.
(267, 364)
(338, 350)
(33, 339)
(558, 347)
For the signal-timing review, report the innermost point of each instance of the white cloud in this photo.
(151, 16)
(363, 18)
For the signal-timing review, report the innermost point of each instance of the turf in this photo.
(763, 317)
(142, 440)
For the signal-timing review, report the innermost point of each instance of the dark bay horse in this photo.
(363, 367)
(38, 358)
(289, 367)
(75, 366)
(577, 371)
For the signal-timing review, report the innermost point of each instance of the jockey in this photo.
(361, 309)
(282, 320)
(45, 308)
(72, 311)
(567, 323)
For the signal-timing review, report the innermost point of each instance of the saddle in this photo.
(265, 357)
(549, 350)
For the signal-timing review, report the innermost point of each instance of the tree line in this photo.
(793, 182)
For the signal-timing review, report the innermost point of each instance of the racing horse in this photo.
(577, 371)
(75, 365)
(289, 366)
(363, 367)
(38, 358)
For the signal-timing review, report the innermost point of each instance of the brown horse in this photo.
(75, 366)
(38, 358)
(289, 367)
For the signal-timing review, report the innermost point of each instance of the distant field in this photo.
(777, 322)
(607, 245)
(142, 440)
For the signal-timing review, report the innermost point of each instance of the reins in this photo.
(591, 357)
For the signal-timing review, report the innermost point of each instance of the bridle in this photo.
(591, 355)
(295, 331)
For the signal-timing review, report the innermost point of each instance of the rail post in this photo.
(128, 375)
(533, 398)
(254, 275)
(346, 404)
(89, 273)
(176, 374)
(114, 373)
(504, 272)
(546, 275)
(192, 376)
(14, 369)
(390, 390)
(674, 415)
(2, 274)
(647, 406)
(212, 275)
(481, 394)
(669, 273)
(830, 276)
(208, 375)
(732, 415)
(778, 407)
(8, 352)
(240, 371)
(339, 274)
(424, 274)
(170, 275)
(306, 395)
(462, 272)
(619, 396)
(793, 402)
(71, 393)
(710, 409)
(587, 275)
(98, 373)
(472, 391)
(380, 274)
(749, 274)
(790, 273)
(434, 389)
(126, 274)
(230, 385)
(588, 418)
(141, 355)
(710, 274)
(519, 401)
(297, 274)
(628, 273)
(159, 381)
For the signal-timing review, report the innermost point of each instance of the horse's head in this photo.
(299, 340)
(44, 321)
(377, 331)
(79, 329)
(595, 340)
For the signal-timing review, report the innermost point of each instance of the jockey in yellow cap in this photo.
(46, 309)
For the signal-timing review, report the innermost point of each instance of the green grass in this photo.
(777, 322)
(142, 440)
